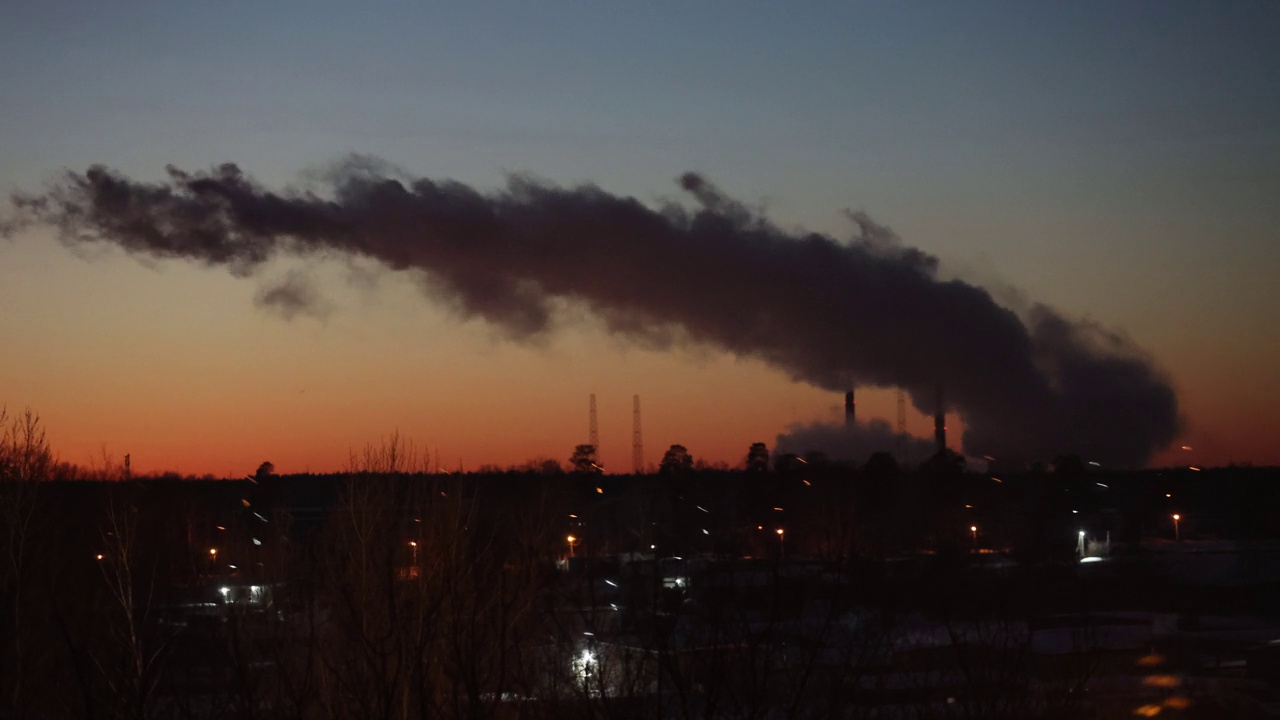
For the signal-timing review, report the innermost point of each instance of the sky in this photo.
(1118, 162)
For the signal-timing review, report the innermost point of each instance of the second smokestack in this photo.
(940, 422)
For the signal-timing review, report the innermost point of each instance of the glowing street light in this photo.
(782, 543)
(414, 544)
(1176, 535)
(974, 530)
(572, 541)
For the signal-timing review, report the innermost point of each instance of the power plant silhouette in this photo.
(939, 415)
(850, 423)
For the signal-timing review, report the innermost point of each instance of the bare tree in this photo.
(132, 675)
(25, 461)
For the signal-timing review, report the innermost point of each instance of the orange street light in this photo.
(782, 543)
(213, 552)
(1176, 535)
(572, 540)
(974, 530)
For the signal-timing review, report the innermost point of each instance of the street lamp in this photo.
(1177, 537)
(571, 540)
(414, 544)
(782, 543)
(1080, 544)
(974, 530)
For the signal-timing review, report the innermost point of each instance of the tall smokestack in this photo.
(940, 421)
(849, 408)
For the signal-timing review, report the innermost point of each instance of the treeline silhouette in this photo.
(390, 591)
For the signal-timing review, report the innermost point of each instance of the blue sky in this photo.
(1118, 160)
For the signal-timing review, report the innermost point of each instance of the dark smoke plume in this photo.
(869, 310)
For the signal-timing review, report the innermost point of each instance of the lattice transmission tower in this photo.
(593, 430)
(637, 442)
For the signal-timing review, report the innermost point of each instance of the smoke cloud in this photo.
(292, 296)
(868, 309)
(841, 442)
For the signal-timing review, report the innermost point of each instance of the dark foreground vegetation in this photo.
(803, 591)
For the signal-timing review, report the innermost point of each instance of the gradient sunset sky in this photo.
(1118, 161)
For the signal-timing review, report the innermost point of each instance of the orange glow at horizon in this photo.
(182, 372)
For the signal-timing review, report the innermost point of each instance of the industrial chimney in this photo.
(940, 422)
(849, 409)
